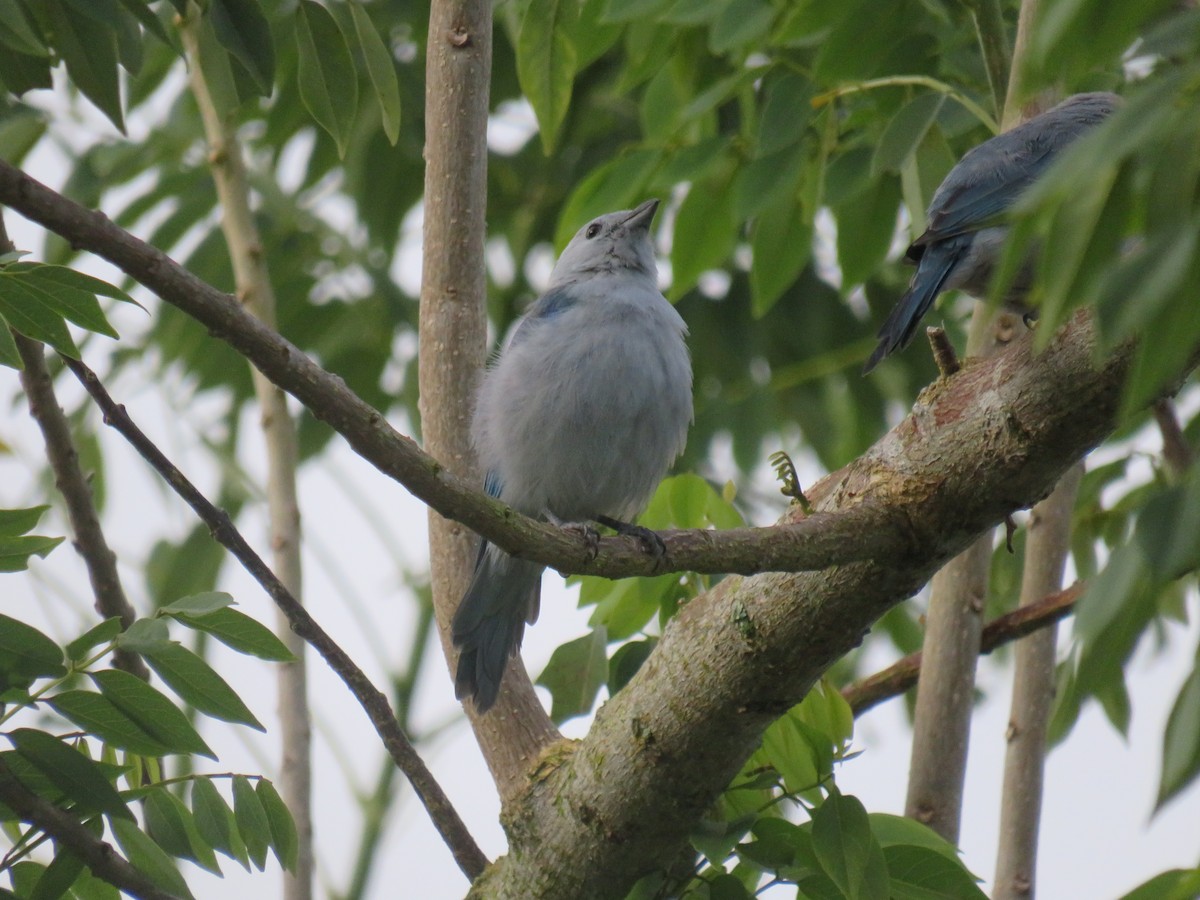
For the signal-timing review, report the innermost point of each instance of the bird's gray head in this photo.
(616, 242)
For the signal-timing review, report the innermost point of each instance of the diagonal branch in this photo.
(69, 832)
(995, 437)
(863, 532)
(89, 540)
(466, 853)
(901, 676)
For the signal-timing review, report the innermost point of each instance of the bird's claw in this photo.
(591, 537)
(650, 540)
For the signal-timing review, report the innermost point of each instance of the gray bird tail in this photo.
(897, 332)
(490, 622)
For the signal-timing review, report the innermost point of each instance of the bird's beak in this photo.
(642, 216)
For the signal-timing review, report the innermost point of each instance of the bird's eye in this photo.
(592, 230)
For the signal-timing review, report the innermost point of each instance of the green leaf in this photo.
(15, 522)
(1181, 741)
(15, 552)
(575, 673)
(79, 306)
(59, 875)
(781, 245)
(866, 226)
(215, 821)
(1177, 884)
(242, 29)
(251, 820)
(17, 33)
(25, 312)
(785, 111)
(381, 69)
(9, 355)
(70, 771)
(630, 10)
(905, 132)
(327, 78)
(705, 234)
(173, 828)
(284, 842)
(847, 850)
(149, 857)
(727, 887)
(546, 58)
(239, 632)
(790, 752)
(89, 50)
(626, 661)
(144, 635)
(95, 636)
(26, 653)
(741, 22)
(152, 710)
(891, 830)
(97, 715)
(198, 605)
(198, 683)
(919, 873)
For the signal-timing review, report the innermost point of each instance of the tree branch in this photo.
(89, 542)
(993, 438)
(466, 853)
(812, 543)
(902, 675)
(255, 290)
(69, 832)
(1046, 551)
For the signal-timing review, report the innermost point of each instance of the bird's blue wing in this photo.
(553, 303)
(492, 483)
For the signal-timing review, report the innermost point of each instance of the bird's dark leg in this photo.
(650, 540)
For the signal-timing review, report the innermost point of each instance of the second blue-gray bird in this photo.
(961, 245)
(578, 421)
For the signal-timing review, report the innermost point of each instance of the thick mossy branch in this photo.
(993, 438)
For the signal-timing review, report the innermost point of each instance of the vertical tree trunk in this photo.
(1033, 696)
(255, 291)
(453, 331)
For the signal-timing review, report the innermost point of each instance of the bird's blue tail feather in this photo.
(935, 266)
(490, 622)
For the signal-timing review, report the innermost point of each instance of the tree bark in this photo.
(256, 292)
(1046, 552)
(991, 439)
(453, 331)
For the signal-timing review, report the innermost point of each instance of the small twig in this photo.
(466, 852)
(1177, 453)
(943, 351)
(69, 832)
(897, 678)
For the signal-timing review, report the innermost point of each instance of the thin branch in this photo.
(1177, 452)
(814, 543)
(993, 45)
(89, 542)
(255, 290)
(1046, 551)
(69, 832)
(466, 853)
(902, 675)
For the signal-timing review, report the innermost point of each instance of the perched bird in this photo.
(578, 420)
(961, 245)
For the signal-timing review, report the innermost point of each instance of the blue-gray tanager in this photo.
(961, 245)
(578, 420)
